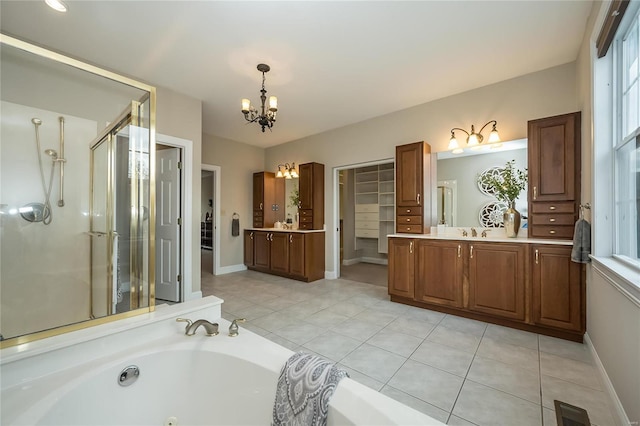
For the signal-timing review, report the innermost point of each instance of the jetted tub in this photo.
(183, 380)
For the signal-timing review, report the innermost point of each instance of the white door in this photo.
(167, 228)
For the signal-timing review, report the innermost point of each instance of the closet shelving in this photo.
(374, 208)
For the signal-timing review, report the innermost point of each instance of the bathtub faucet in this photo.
(192, 327)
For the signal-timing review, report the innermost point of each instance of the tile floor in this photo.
(459, 371)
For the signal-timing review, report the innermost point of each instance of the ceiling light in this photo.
(56, 5)
(473, 139)
(267, 117)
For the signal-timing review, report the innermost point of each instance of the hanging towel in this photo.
(235, 225)
(581, 242)
(305, 386)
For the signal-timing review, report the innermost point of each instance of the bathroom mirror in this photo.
(76, 196)
(458, 199)
(291, 191)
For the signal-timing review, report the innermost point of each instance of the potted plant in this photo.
(507, 186)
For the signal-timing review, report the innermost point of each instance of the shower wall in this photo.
(44, 270)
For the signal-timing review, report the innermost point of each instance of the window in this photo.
(627, 143)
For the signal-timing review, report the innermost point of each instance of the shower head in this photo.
(36, 121)
(51, 153)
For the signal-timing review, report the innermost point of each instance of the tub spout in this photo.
(191, 328)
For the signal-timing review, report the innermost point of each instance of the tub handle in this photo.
(233, 328)
(188, 321)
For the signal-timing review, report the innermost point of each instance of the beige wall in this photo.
(512, 103)
(237, 163)
(613, 319)
(181, 116)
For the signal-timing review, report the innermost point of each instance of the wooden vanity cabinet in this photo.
(401, 267)
(554, 175)
(290, 254)
(311, 190)
(558, 289)
(497, 279)
(441, 284)
(413, 183)
(268, 199)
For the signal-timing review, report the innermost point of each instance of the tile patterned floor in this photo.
(459, 371)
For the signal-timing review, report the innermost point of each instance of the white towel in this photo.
(581, 242)
(305, 386)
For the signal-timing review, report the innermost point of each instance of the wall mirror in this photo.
(291, 193)
(458, 199)
(76, 194)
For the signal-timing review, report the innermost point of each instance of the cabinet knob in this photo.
(552, 207)
(408, 229)
(408, 210)
(552, 232)
(408, 220)
(552, 220)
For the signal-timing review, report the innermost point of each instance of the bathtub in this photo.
(198, 380)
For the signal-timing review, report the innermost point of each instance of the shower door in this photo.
(120, 216)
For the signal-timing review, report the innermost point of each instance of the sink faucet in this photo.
(464, 232)
(191, 328)
(233, 328)
(474, 233)
(484, 233)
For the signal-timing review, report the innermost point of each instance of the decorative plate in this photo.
(491, 214)
(491, 171)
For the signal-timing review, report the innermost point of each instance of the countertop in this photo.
(488, 239)
(297, 231)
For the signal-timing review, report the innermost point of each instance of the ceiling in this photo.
(333, 63)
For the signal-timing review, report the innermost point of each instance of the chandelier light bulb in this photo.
(246, 105)
(273, 103)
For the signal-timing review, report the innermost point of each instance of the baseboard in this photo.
(375, 260)
(232, 268)
(330, 275)
(349, 262)
(619, 412)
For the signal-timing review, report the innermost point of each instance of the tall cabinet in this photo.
(413, 188)
(311, 208)
(554, 175)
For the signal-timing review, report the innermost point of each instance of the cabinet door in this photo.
(306, 186)
(296, 254)
(258, 191)
(409, 174)
(439, 276)
(557, 288)
(262, 250)
(279, 252)
(401, 267)
(554, 158)
(248, 248)
(496, 279)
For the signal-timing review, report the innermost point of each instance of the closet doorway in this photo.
(209, 220)
(365, 210)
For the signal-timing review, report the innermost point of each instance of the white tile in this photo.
(389, 307)
(426, 315)
(491, 407)
(570, 370)
(443, 357)
(374, 362)
(398, 343)
(252, 312)
(277, 303)
(594, 401)
(458, 421)
(465, 325)
(283, 342)
(375, 317)
(346, 308)
(414, 327)
(565, 348)
(299, 333)
(508, 378)
(508, 353)
(275, 321)
(362, 378)
(356, 329)
(512, 336)
(332, 345)
(427, 383)
(454, 338)
(415, 403)
(549, 417)
(326, 318)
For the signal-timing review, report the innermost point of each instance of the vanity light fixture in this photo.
(289, 171)
(56, 5)
(267, 117)
(473, 139)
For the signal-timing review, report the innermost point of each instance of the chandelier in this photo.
(266, 117)
(289, 171)
(473, 139)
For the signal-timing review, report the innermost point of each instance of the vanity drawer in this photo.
(551, 231)
(306, 219)
(304, 225)
(409, 211)
(305, 212)
(409, 220)
(553, 207)
(552, 219)
(366, 233)
(408, 229)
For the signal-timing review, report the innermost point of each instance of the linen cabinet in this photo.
(413, 187)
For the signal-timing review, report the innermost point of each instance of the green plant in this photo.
(506, 185)
(294, 198)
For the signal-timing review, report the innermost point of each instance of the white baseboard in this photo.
(619, 412)
(330, 275)
(349, 262)
(233, 268)
(375, 260)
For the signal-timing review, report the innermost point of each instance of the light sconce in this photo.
(473, 139)
(289, 171)
(267, 117)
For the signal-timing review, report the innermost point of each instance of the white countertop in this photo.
(298, 231)
(489, 238)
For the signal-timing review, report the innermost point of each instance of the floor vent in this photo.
(570, 415)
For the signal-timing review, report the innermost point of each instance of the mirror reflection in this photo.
(459, 200)
(291, 200)
(75, 194)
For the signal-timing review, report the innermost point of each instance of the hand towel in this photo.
(235, 227)
(305, 386)
(581, 242)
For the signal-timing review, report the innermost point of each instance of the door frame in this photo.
(336, 206)
(217, 173)
(186, 207)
